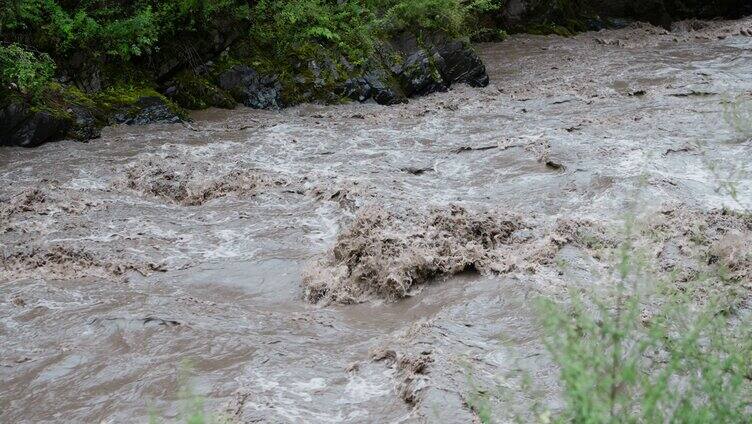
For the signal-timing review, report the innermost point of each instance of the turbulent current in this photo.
(360, 263)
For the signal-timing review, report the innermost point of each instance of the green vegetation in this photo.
(118, 29)
(650, 346)
(144, 34)
(101, 46)
(23, 70)
(122, 31)
(454, 17)
(638, 348)
(637, 358)
(656, 348)
(304, 50)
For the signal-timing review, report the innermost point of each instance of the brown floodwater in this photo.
(166, 250)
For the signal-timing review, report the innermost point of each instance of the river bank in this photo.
(68, 71)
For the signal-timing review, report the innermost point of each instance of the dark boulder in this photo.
(381, 92)
(147, 110)
(434, 63)
(11, 116)
(20, 126)
(250, 88)
(420, 74)
(323, 72)
(85, 125)
(356, 89)
(461, 64)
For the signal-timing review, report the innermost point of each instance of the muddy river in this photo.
(358, 263)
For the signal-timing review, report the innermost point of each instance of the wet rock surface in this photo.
(124, 257)
(20, 126)
(461, 64)
(251, 89)
(147, 110)
(85, 126)
(420, 74)
(24, 126)
(432, 65)
(357, 89)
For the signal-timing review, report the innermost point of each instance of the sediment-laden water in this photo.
(360, 263)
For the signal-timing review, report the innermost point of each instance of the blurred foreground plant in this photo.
(629, 357)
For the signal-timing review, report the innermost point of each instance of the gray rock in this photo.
(30, 129)
(84, 125)
(252, 89)
(356, 89)
(435, 63)
(420, 74)
(381, 92)
(461, 64)
(148, 110)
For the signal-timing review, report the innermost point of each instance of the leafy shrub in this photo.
(289, 27)
(123, 30)
(683, 363)
(24, 70)
(118, 29)
(453, 17)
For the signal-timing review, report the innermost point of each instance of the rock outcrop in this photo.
(21, 126)
(407, 66)
(411, 67)
(251, 88)
(147, 110)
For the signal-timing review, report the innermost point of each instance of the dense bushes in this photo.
(119, 29)
(148, 33)
(684, 365)
(123, 30)
(290, 27)
(352, 27)
(22, 70)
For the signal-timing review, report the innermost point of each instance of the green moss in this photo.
(300, 82)
(397, 58)
(123, 99)
(196, 92)
(548, 29)
(124, 95)
(74, 95)
(50, 100)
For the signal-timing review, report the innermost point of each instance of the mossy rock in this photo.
(134, 105)
(196, 92)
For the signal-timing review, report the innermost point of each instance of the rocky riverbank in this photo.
(139, 64)
(407, 66)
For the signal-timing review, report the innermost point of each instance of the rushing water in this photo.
(130, 255)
